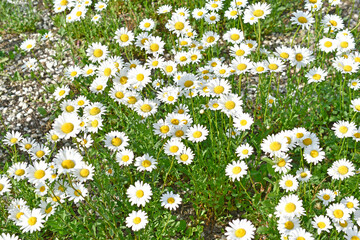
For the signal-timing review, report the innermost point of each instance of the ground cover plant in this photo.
(192, 120)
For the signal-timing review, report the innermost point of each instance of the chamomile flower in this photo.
(84, 172)
(289, 183)
(173, 147)
(243, 121)
(210, 38)
(241, 65)
(94, 110)
(236, 170)
(332, 22)
(328, 45)
(289, 206)
(244, 151)
(137, 220)
(271, 101)
(8, 236)
(355, 104)
(232, 13)
(321, 223)
(47, 209)
(285, 53)
(302, 57)
(67, 160)
(73, 72)
(199, 13)
(147, 24)
(32, 221)
(240, 50)
(303, 19)
(345, 65)
(139, 193)
(139, 77)
(287, 225)
(309, 140)
(352, 233)
(326, 196)
(39, 151)
(97, 52)
(27, 45)
(61, 92)
(66, 125)
(124, 37)
(155, 45)
(5, 185)
(351, 203)
(164, 9)
(240, 229)
(171, 201)
(255, 12)
(338, 212)
(274, 145)
(95, 18)
(274, 64)
(282, 163)
(116, 140)
(177, 24)
(230, 104)
(343, 129)
(341, 169)
(145, 163)
(186, 156)
(197, 133)
(316, 75)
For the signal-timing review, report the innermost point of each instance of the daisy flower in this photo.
(12, 138)
(84, 172)
(145, 163)
(285, 53)
(67, 160)
(240, 229)
(300, 234)
(146, 108)
(164, 9)
(137, 220)
(355, 104)
(27, 45)
(38, 172)
(244, 151)
(274, 64)
(97, 52)
(303, 19)
(210, 38)
(139, 193)
(326, 196)
(66, 125)
(351, 203)
(230, 104)
(32, 221)
(76, 192)
(139, 77)
(282, 163)
(39, 151)
(309, 140)
(287, 225)
(147, 24)
(197, 133)
(5, 185)
(302, 57)
(7, 236)
(256, 11)
(338, 212)
(274, 145)
(316, 75)
(289, 183)
(124, 37)
(173, 147)
(289, 206)
(154, 45)
(232, 13)
(116, 140)
(47, 209)
(186, 156)
(234, 36)
(341, 169)
(171, 201)
(18, 170)
(354, 84)
(199, 13)
(321, 223)
(243, 121)
(94, 110)
(343, 129)
(236, 170)
(177, 24)
(303, 175)
(328, 45)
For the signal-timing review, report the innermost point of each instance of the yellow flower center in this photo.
(154, 47)
(338, 213)
(343, 170)
(171, 200)
(299, 57)
(84, 172)
(179, 26)
(275, 146)
(39, 174)
(343, 129)
(147, 25)
(210, 39)
(169, 69)
(230, 105)
(174, 149)
(284, 55)
(349, 205)
(235, 37)
(258, 13)
(289, 225)
(245, 151)
(307, 141)
(290, 207)
(40, 153)
(302, 20)
(164, 129)
(303, 175)
(48, 210)
(281, 163)
(344, 44)
(98, 53)
(236, 170)
(241, 66)
(197, 134)
(116, 141)
(32, 221)
(184, 157)
(347, 68)
(233, 13)
(316, 77)
(68, 164)
(20, 172)
(273, 66)
(146, 163)
(240, 233)
(137, 220)
(124, 38)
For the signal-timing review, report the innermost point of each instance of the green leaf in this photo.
(42, 111)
